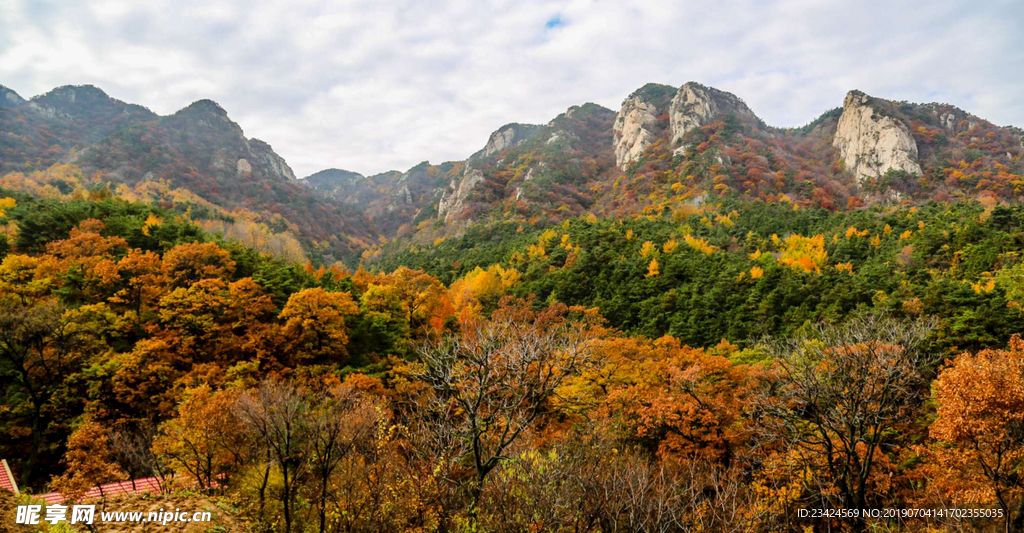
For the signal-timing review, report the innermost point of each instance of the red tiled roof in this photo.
(7, 478)
(137, 486)
(146, 484)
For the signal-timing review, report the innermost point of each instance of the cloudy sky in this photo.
(377, 85)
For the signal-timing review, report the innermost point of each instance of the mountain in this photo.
(197, 140)
(40, 131)
(9, 98)
(198, 149)
(666, 150)
(670, 149)
(333, 179)
(392, 201)
(708, 142)
(523, 171)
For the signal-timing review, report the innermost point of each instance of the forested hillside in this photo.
(641, 374)
(673, 317)
(743, 270)
(667, 149)
(78, 138)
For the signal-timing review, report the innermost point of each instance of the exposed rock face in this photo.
(269, 159)
(499, 141)
(634, 129)
(695, 105)
(243, 167)
(9, 98)
(454, 197)
(948, 120)
(508, 136)
(689, 107)
(872, 144)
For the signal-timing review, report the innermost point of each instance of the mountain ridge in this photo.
(664, 149)
(195, 154)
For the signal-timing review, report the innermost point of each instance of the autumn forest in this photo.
(691, 322)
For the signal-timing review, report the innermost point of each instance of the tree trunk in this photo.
(286, 499)
(323, 503)
(263, 486)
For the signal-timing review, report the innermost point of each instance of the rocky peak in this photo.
(9, 98)
(332, 178)
(696, 105)
(508, 136)
(205, 118)
(82, 94)
(691, 106)
(580, 114)
(636, 125)
(203, 107)
(84, 102)
(872, 143)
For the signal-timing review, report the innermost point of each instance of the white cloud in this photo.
(371, 86)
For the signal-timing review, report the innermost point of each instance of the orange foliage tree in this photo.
(979, 431)
(314, 322)
(89, 460)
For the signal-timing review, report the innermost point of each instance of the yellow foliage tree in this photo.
(806, 254)
(482, 287)
(852, 232)
(652, 268)
(6, 203)
(700, 244)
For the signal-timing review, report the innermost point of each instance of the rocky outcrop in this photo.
(689, 107)
(870, 143)
(9, 98)
(695, 105)
(453, 200)
(268, 159)
(948, 120)
(634, 129)
(243, 168)
(507, 136)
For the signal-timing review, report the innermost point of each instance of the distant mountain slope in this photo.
(671, 149)
(198, 149)
(393, 201)
(333, 179)
(666, 151)
(38, 132)
(524, 171)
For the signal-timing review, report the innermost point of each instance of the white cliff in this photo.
(871, 144)
(690, 106)
(695, 105)
(454, 197)
(634, 129)
(270, 160)
(500, 140)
